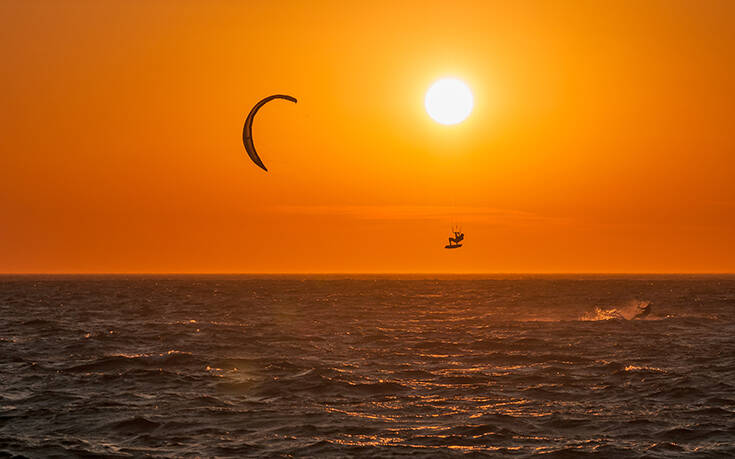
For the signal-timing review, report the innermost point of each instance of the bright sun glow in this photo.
(449, 101)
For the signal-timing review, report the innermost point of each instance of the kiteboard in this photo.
(451, 246)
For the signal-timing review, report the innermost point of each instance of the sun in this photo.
(449, 101)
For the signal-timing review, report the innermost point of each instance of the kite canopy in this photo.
(247, 130)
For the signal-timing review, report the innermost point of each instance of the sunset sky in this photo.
(602, 136)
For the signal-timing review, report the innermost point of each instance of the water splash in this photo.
(625, 312)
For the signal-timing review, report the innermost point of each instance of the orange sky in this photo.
(601, 139)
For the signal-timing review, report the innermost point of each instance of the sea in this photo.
(367, 366)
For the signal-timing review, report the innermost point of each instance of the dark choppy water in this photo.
(238, 366)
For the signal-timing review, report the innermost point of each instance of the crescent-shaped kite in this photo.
(247, 130)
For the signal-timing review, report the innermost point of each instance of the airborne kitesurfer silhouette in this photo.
(454, 242)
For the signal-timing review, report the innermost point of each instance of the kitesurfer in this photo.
(643, 311)
(458, 237)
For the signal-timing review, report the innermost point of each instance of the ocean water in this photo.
(235, 366)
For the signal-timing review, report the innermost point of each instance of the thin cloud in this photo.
(486, 215)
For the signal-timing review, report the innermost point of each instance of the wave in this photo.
(132, 425)
(683, 434)
(325, 382)
(113, 362)
(643, 369)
